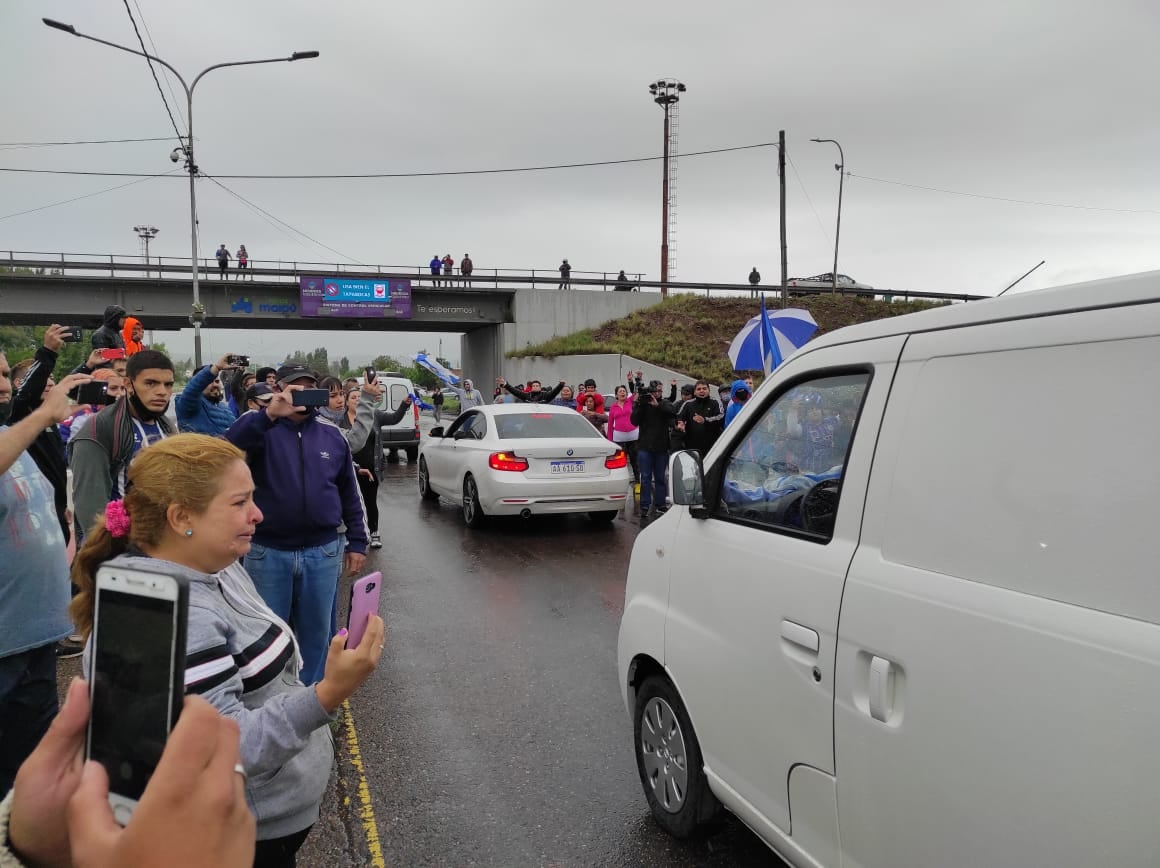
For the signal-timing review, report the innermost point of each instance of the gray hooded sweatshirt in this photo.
(242, 659)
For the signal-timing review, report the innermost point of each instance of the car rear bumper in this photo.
(548, 496)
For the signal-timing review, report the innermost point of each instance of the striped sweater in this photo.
(243, 659)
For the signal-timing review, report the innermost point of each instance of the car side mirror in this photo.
(435, 432)
(686, 480)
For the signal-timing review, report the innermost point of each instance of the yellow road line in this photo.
(366, 811)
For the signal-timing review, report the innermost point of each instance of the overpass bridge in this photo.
(497, 310)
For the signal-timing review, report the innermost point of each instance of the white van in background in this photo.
(404, 434)
(907, 613)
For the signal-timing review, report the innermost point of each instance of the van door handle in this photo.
(801, 636)
(880, 691)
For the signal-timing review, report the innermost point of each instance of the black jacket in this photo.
(108, 336)
(701, 435)
(654, 421)
(46, 450)
(544, 396)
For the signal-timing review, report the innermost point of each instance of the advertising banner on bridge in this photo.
(345, 297)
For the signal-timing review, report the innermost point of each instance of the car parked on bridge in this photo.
(898, 617)
(524, 459)
(826, 281)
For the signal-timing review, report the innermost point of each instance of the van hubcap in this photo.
(662, 748)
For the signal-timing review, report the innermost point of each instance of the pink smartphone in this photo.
(364, 602)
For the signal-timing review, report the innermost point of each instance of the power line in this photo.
(153, 45)
(1004, 198)
(14, 145)
(78, 198)
(261, 210)
(805, 192)
(156, 81)
(373, 175)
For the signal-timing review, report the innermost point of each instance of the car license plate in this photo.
(567, 466)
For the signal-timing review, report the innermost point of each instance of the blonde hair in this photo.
(183, 470)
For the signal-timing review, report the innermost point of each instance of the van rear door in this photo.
(998, 673)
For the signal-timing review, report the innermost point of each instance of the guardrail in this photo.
(161, 267)
(176, 268)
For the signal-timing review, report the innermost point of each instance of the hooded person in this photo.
(469, 396)
(108, 336)
(132, 333)
(266, 375)
(738, 395)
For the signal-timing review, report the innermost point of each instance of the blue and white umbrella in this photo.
(767, 339)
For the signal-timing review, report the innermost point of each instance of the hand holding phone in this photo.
(138, 677)
(364, 602)
(75, 335)
(238, 361)
(310, 397)
(371, 375)
(348, 668)
(112, 354)
(93, 392)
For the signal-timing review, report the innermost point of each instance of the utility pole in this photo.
(784, 254)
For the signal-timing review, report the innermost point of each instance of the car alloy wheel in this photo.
(425, 490)
(472, 512)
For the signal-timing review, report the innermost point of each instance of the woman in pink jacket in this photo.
(620, 428)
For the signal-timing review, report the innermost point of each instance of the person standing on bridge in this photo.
(448, 269)
(466, 266)
(622, 283)
(565, 275)
(436, 266)
(223, 258)
(754, 279)
(243, 262)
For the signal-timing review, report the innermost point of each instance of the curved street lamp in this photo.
(197, 317)
(841, 167)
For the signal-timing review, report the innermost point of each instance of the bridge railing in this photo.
(267, 271)
(178, 267)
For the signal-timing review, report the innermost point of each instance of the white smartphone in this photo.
(137, 677)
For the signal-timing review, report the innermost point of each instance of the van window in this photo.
(398, 395)
(1035, 470)
(786, 472)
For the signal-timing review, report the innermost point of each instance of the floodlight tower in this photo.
(666, 92)
(146, 233)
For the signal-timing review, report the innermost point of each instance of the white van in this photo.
(908, 613)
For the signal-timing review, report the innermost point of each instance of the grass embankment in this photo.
(692, 334)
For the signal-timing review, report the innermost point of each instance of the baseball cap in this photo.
(687, 389)
(258, 391)
(289, 373)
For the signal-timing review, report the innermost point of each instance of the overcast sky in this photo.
(1049, 101)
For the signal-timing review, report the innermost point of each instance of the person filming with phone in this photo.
(307, 489)
(201, 406)
(190, 512)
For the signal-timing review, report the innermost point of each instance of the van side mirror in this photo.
(435, 432)
(686, 479)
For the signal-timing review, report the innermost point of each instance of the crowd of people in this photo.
(211, 484)
(645, 421)
(445, 267)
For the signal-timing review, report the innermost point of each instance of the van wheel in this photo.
(412, 454)
(473, 515)
(425, 490)
(603, 517)
(668, 758)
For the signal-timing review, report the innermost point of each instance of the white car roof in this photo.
(1108, 292)
(525, 407)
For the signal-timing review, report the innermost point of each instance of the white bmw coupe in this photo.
(524, 459)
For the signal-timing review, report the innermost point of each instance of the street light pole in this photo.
(197, 317)
(841, 167)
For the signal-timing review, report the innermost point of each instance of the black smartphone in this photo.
(370, 374)
(95, 392)
(311, 397)
(75, 335)
(240, 361)
(137, 680)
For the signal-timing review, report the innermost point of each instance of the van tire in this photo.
(412, 454)
(668, 728)
(603, 516)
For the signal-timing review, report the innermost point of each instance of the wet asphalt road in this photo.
(493, 732)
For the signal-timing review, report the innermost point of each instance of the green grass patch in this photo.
(691, 334)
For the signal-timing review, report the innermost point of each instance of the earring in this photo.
(189, 531)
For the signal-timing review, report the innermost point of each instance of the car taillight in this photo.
(506, 461)
(616, 460)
